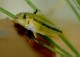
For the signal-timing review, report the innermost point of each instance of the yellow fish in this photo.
(37, 23)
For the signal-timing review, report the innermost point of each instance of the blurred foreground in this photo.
(14, 45)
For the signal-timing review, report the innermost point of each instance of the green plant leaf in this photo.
(73, 8)
(31, 5)
(7, 13)
(78, 1)
(54, 44)
(69, 44)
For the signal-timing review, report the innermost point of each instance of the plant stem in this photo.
(69, 44)
(78, 1)
(74, 9)
(53, 43)
(48, 47)
(7, 13)
(32, 5)
(53, 50)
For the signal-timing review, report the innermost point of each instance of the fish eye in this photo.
(24, 16)
(21, 15)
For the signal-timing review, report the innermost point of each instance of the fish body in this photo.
(37, 23)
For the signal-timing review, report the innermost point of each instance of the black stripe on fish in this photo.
(48, 26)
(24, 16)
